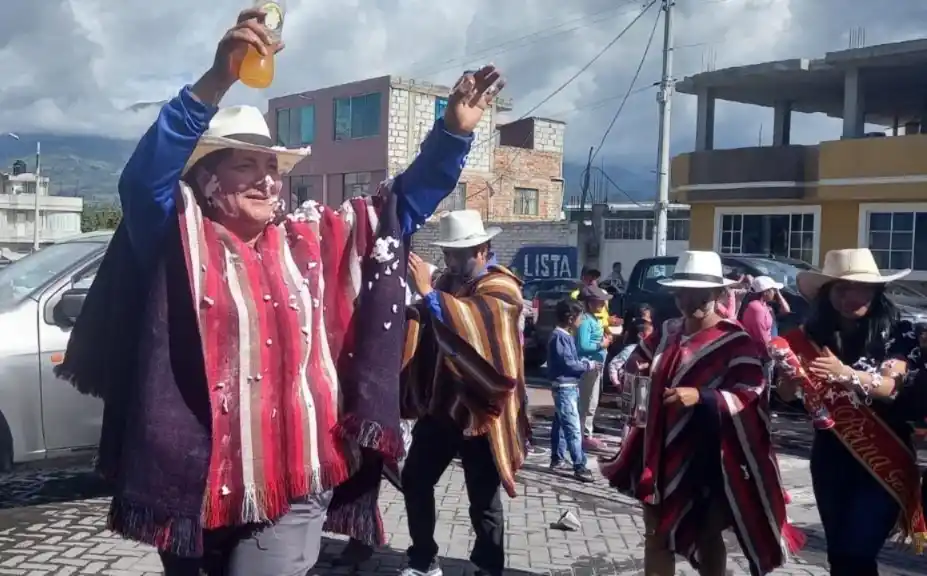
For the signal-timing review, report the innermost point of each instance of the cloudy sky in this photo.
(71, 65)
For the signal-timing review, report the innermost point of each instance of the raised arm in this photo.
(434, 173)
(148, 182)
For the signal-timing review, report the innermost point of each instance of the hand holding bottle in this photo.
(249, 34)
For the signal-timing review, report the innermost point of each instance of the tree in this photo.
(100, 217)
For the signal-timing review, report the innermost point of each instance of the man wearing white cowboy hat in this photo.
(707, 457)
(234, 405)
(468, 401)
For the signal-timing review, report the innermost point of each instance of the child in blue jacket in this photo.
(565, 368)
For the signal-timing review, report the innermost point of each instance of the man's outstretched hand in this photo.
(472, 95)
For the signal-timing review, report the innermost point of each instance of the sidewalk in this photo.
(68, 539)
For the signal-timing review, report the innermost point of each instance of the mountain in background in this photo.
(89, 167)
(85, 166)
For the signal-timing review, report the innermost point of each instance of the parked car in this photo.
(41, 296)
(543, 296)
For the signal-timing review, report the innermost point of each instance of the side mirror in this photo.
(68, 308)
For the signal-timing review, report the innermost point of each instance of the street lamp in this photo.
(38, 183)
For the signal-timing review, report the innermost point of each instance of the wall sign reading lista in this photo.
(540, 262)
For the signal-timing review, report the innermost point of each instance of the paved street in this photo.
(52, 524)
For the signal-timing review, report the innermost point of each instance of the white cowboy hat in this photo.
(243, 128)
(463, 229)
(764, 283)
(697, 269)
(849, 265)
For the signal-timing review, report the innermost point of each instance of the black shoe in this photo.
(557, 466)
(584, 475)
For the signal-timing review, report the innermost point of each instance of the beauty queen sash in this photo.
(869, 440)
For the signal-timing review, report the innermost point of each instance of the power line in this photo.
(570, 81)
(637, 73)
(540, 35)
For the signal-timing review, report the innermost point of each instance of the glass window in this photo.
(307, 124)
(300, 190)
(356, 184)
(898, 240)
(342, 118)
(440, 107)
(526, 202)
(26, 276)
(283, 126)
(357, 117)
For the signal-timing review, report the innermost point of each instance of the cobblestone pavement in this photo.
(52, 523)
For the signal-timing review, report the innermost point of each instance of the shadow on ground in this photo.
(389, 560)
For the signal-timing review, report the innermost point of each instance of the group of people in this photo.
(257, 365)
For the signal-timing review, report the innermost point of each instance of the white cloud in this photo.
(75, 65)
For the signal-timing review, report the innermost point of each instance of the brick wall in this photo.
(514, 235)
(494, 195)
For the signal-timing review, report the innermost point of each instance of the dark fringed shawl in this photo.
(137, 346)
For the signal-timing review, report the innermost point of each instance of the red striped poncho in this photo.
(273, 320)
(657, 463)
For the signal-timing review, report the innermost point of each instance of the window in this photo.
(440, 107)
(655, 273)
(456, 200)
(295, 126)
(306, 125)
(356, 184)
(784, 235)
(677, 229)
(300, 190)
(526, 202)
(357, 117)
(626, 228)
(898, 240)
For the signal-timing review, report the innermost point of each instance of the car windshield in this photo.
(780, 271)
(531, 289)
(22, 278)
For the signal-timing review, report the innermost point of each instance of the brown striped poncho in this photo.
(475, 345)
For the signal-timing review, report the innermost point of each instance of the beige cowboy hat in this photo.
(243, 128)
(848, 265)
(463, 229)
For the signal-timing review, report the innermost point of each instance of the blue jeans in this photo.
(565, 432)
(857, 513)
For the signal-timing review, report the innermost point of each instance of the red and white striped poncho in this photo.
(273, 320)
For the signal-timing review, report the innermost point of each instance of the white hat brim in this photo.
(810, 282)
(671, 283)
(287, 159)
(471, 241)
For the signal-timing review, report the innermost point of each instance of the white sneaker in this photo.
(436, 571)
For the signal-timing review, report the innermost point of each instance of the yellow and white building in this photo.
(865, 190)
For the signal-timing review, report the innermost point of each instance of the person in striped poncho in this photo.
(704, 461)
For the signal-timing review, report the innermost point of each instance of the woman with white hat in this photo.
(865, 477)
(247, 362)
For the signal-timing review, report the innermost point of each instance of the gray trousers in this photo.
(288, 548)
(589, 386)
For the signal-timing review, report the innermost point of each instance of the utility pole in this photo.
(661, 206)
(38, 185)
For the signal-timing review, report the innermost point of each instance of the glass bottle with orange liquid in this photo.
(257, 71)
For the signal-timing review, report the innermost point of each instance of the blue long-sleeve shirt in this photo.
(149, 180)
(564, 366)
(589, 339)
